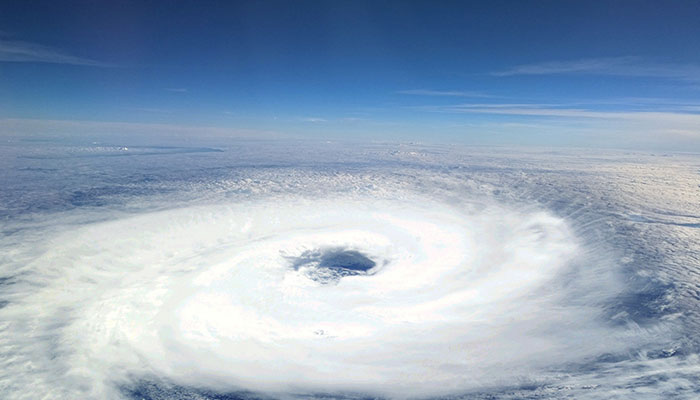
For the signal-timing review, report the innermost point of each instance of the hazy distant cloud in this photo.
(18, 51)
(151, 110)
(549, 110)
(590, 65)
(177, 90)
(448, 93)
(617, 66)
(682, 120)
(67, 128)
(313, 119)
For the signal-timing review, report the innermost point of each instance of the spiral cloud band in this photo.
(397, 293)
(209, 294)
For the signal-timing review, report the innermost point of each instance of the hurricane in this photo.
(396, 272)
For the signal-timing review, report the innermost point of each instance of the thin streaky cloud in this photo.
(682, 113)
(151, 110)
(615, 66)
(589, 65)
(177, 90)
(446, 93)
(18, 126)
(313, 119)
(18, 51)
(631, 100)
(497, 105)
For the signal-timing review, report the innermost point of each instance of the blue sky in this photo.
(572, 73)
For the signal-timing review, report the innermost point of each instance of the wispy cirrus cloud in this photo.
(80, 128)
(177, 90)
(615, 66)
(151, 110)
(313, 119)
(685, 112)
(19, 51)
(676, 121)
(446, 93)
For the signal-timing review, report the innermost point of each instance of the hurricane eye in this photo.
(329, 265)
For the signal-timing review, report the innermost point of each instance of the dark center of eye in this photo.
(332, 264)
(346, 259)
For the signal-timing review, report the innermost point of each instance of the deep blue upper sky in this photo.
(582, 73)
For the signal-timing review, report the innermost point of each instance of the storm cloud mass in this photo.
(326, 270)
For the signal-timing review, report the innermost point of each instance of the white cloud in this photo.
(617, 66)
(18, 51)
(539, 110)
(68, 128)
(314, 119)
(447, 93)
(673, 128)
(151, 110)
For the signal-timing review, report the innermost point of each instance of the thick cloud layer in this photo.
(394, 279)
